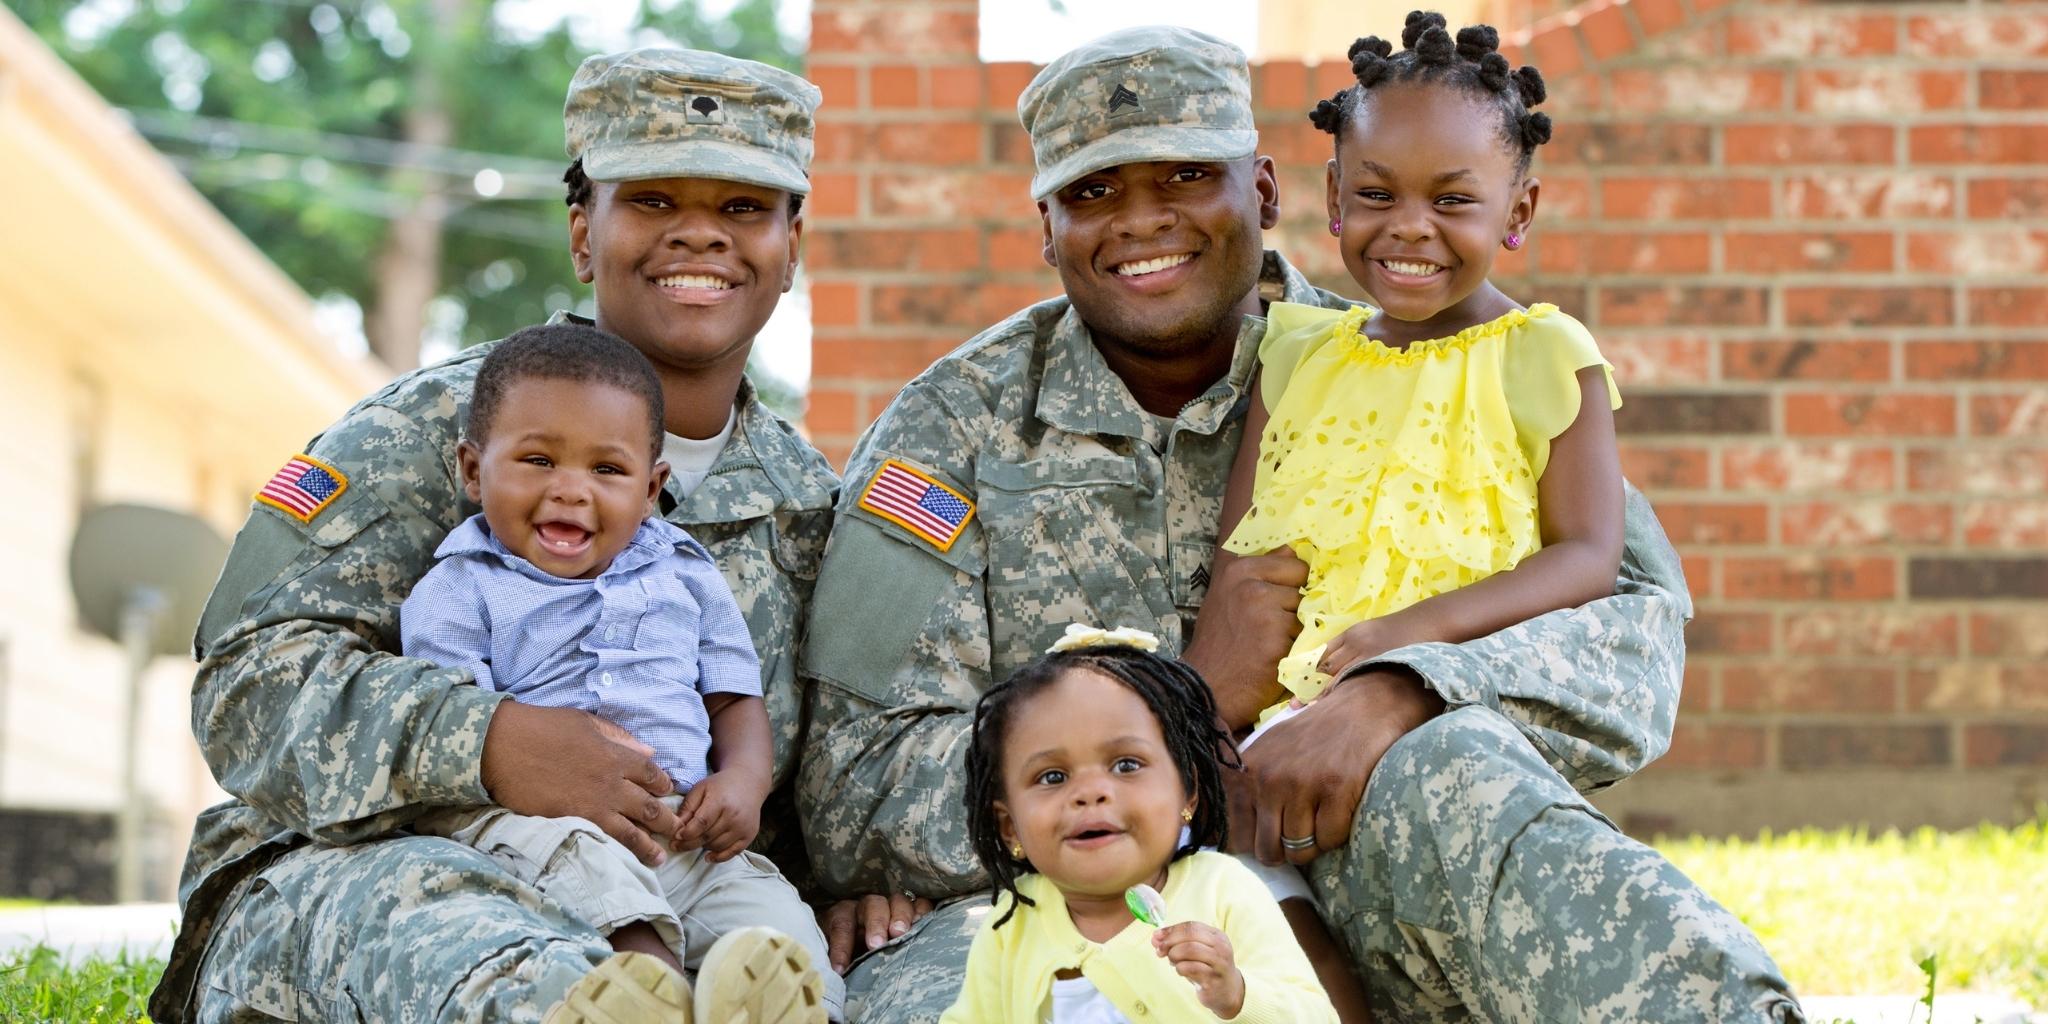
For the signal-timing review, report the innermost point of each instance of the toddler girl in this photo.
(1444, 461)
(1093, 770)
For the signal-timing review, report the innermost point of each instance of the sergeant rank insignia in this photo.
(1123, 97)
(303, 487)
(930, 510)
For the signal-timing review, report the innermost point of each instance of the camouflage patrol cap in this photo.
(660, 113)
(1138, 95)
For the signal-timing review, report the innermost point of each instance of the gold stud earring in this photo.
(1187, 814)
(1017, 851)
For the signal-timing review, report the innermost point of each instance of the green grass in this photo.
(1845, 913)
(36, 985)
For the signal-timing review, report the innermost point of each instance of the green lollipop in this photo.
(1146, 904)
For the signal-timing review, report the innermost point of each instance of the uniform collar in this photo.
(764, 468)
(1079, 393)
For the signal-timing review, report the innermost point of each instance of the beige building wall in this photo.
(148, 354)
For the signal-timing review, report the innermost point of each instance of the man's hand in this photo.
(1246, 625)
(1201, 953)
(1306, 776)
(721, 814)
(853, 927)
(560, 762)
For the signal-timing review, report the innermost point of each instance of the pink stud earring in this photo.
(1336, 227)
(1514, 241)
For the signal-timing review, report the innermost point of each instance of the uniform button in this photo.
(606, 679)
(611, 632)
(1141, 1009)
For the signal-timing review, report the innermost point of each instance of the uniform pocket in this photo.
(1059, 553)
(256, 960)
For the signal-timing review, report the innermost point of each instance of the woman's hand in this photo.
(560, 762)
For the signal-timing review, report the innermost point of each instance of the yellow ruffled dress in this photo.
(1400, 474)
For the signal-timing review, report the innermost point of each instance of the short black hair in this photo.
(564, 351)
(1177, 696)
(1472, 63)
(580, 189)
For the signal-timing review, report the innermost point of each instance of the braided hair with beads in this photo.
(1471, 62)
(1176, 695)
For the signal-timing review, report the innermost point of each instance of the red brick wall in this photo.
(1813, 238)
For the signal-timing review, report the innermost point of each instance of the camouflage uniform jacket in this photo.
(1089, 509)
(305, 711)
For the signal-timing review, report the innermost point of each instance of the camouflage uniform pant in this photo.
(397, 930)
(1477, 886)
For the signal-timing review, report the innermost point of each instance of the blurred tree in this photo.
(404, 154)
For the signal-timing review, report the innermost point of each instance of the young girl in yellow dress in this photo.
(1444, 460)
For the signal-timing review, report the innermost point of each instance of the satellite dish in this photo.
(123, 554)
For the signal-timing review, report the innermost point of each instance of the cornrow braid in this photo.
(1471, 60)
(1176, 695)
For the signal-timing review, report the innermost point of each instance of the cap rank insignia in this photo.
(1123, 97)
(705, 110)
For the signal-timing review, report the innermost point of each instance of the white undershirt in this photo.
(689, 459)
(1078, 1001)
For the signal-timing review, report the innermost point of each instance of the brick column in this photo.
(922, 231)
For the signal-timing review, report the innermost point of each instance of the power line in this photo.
(466, 217)
(228, 133)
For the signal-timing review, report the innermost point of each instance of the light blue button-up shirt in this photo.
(641, 644)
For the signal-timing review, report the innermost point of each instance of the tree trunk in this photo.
(409, 263)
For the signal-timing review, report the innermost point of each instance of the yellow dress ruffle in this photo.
(1400, 474)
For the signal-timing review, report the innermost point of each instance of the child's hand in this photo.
(1368, 639)
(721, 814)
(1201, 953)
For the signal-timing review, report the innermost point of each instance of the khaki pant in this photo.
(689, 900)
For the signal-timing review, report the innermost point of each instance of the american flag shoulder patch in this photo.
(303, 487)
(930, 510)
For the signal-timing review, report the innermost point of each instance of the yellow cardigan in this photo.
(1010, 969)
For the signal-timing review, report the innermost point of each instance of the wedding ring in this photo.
(1304, 843)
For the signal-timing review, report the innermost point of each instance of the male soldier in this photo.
(1073, 459)
(305, 898)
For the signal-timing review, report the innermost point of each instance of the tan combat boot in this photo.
(758, 976)
(627, 988)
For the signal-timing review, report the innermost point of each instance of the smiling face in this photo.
(1089, 787)
(1159, 256)
(1427, 191)
(565, 474)
(685, 269)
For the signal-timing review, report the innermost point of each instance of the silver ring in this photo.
(1304, 843)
